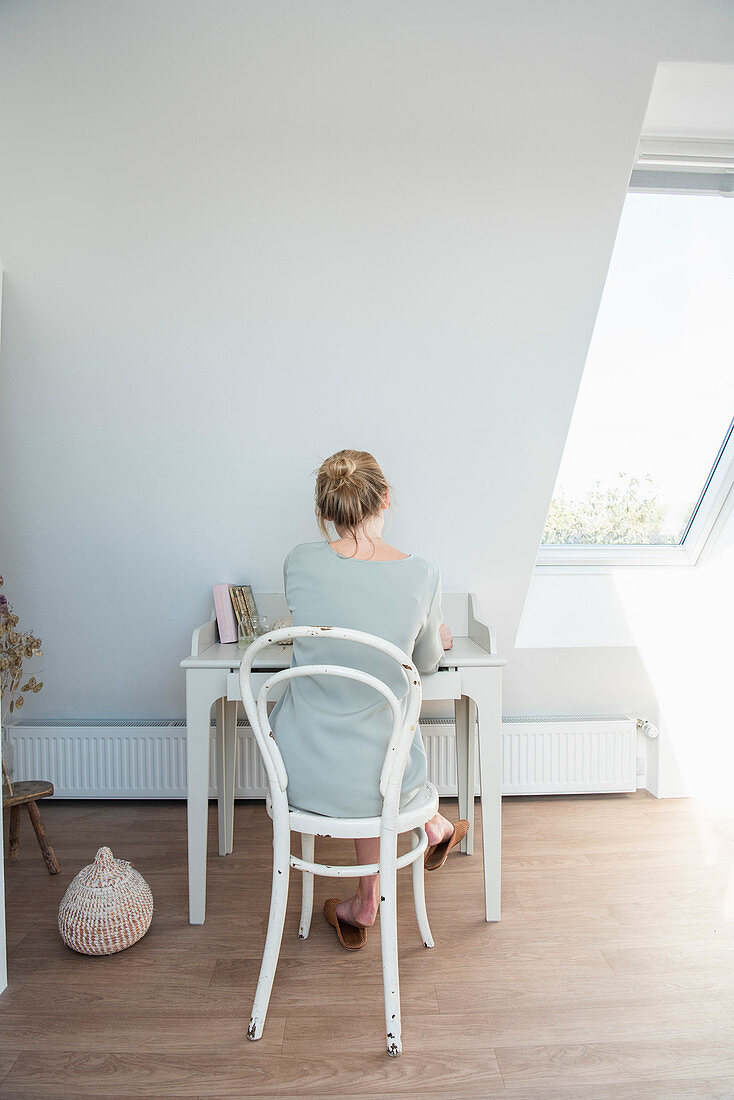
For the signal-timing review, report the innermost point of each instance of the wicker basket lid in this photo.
(105, 871)
(107, 907)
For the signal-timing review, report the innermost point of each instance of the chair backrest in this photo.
(403, 726)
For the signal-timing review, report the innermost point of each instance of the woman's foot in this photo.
(350, 936)
(436, 854)
(438, 829)
(358, 911)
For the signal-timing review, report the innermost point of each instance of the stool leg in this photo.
(48, 853)
(14, 833)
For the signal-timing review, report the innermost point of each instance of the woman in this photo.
(333, 733)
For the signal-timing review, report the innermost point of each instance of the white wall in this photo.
(239, 236)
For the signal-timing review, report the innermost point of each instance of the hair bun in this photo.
(342, 467)
(350, 488)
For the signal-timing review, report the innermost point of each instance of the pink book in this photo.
(225, 613)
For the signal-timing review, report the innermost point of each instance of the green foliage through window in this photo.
(626, 513)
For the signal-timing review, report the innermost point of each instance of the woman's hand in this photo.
(446, 640)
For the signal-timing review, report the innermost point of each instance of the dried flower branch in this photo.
(15, 647)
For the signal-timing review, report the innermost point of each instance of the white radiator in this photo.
(147, 758)
(569, 754)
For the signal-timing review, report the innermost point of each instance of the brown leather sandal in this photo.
(350, 936)
(437, 854)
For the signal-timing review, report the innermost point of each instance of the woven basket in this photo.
(107, 907)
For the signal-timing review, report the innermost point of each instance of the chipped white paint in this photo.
(388, 826)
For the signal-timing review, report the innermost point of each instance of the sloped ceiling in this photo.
(691, 101)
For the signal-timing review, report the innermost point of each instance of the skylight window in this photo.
(650, 443)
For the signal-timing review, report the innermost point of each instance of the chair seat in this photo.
(421, 807)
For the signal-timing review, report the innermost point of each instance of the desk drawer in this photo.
(257, 680)
(441, 685)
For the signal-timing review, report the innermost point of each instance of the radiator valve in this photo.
(647, 728)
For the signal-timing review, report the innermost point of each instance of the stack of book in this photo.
(235, 607)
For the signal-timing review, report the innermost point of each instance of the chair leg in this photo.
(276, 920)
(14, 834)
(419, 897)
(389, 941)
(307, 853)
(48, 853)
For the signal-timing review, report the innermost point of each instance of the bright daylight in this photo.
(657, 393)
(321, 779)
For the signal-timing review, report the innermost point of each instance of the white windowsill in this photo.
(609, 559)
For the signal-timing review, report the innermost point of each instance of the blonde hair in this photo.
(350, 488)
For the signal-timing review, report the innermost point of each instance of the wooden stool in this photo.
(26, 792)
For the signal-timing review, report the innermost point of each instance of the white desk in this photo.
(470, 674)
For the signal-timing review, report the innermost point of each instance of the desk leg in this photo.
(226, 763)
(198, 706)
(484, 685)
(465, 724)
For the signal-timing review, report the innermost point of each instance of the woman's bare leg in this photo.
(361, 909)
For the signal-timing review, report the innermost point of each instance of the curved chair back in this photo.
(403, 726)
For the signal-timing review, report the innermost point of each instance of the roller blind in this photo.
(679, 166)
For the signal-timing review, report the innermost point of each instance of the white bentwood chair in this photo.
(392, 821)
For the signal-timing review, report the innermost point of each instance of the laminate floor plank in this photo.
(556, 993)
(140, 1031)
(472, 1031)
(7, 1061)
(601, 1063)
(711, 957)
(249, 1071)
(609, 977)
(718, 1088)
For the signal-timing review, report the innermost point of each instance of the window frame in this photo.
(669, 166)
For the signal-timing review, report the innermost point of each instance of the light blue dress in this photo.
(333, 733)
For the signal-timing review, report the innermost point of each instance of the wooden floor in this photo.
(611, 974)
